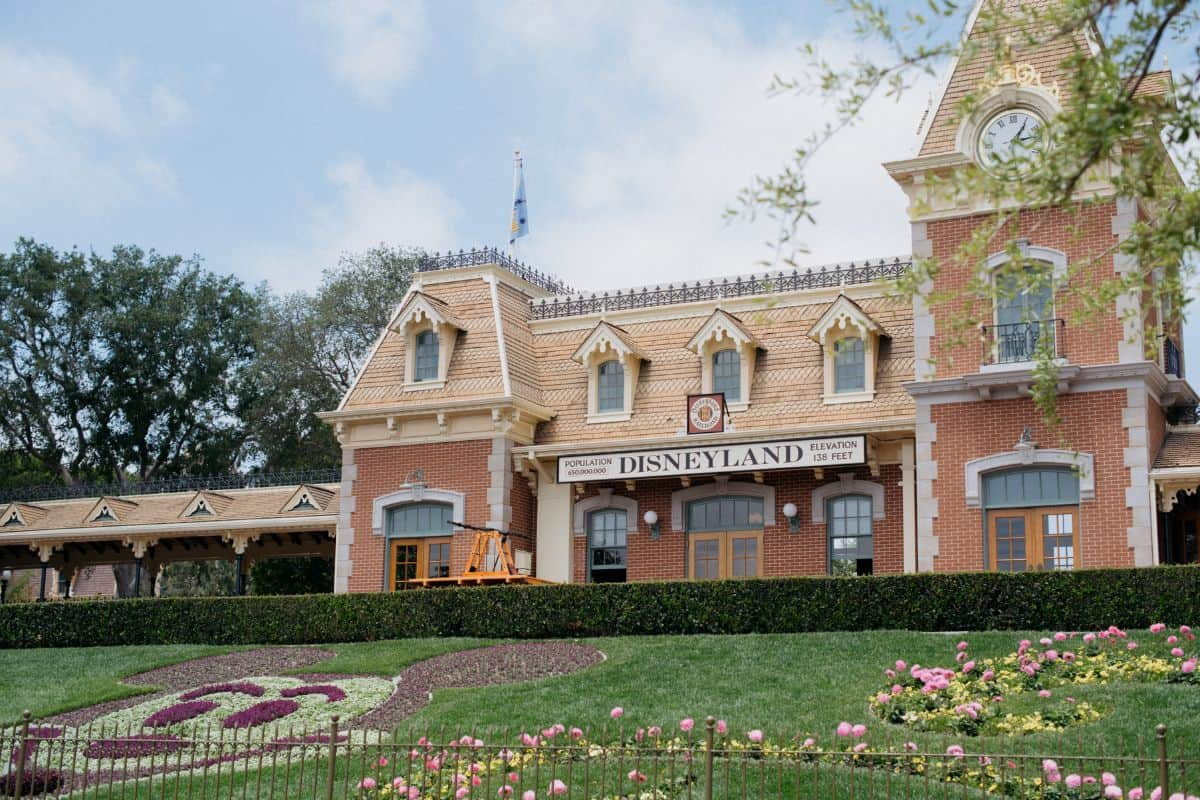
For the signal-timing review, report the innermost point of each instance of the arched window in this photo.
(606, 545)
(727, 374)
(725, 537)
(425, 368)
(851, 544)
(420, 542)
(610, 387)
(849, 365)
(1023, 317)
(1032, 518)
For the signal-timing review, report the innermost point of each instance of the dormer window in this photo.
(727, 353)
(430, 332)
(426, 366)
(849, 341)
(14, 519)
(727, 374)
(104, 515)
(201, 509)
(612, 360)
(610, 387)
(305, 503)
(849, 365)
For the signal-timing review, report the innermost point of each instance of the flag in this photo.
(520, 212)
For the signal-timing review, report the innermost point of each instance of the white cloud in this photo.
(365, 211)
(373, 44)
(80, 140)
(675, 121)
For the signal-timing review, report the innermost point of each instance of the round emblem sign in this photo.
(705, 413)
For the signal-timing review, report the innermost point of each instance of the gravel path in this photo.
(486, 666)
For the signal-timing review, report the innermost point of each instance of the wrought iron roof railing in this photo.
(741, 286)
(493, 255)
(167, 485)
(1184, 415)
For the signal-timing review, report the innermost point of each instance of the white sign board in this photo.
(826, 452)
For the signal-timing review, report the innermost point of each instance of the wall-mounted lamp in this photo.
(5, 577)
(793, 517)
(651, 519)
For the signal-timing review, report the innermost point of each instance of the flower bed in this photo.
(251, 689)
(260, 714)
(332, 693)
(180, 712)
(975, 697)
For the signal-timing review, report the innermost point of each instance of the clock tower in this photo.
(998, 488)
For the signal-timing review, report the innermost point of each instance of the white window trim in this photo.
(722, 332)
(721, 487)
(847, 484)
(414, 494)
(605, 499)
(845, 320)
(604, 344)
(1083, 463)
(418, 316)
(1057, 260)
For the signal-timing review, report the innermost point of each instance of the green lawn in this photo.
(783, 684)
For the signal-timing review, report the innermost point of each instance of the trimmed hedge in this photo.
(970, 601)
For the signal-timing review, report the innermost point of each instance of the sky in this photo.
(269, 137)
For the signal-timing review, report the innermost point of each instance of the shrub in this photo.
(1081, 600)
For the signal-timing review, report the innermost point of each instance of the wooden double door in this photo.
(1032, 539)
(419, 558)
(725, 554)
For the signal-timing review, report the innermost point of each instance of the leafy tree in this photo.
(1142, 142)
(309, 575)
(310, 349)
(198, 579)
(120, 368)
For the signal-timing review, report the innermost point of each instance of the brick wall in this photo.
(784, 553)
(456, 466)
(1080, 232)
(1091, 423)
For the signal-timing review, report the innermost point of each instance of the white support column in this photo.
(343, 566)
(927, 473)
(908, 490)
(555, 537)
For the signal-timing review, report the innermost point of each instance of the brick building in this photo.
(796, 423)
(858, 435)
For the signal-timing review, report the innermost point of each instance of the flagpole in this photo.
(512, 241)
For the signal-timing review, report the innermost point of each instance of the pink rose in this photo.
(636, 777)
(1188, 667)
(1158, 627)
(367, 783)
(529, 794)
(617, 713)
(1060, 637)
(1135, 793)
(1044, 693)
(557, 787)
(1074, 781)
(843, 729)
(858, 731)
(686, 725)
(1112, 792)
(967, 667)
(755, 736)
(576, 733)
(722, 727)
(504, 791)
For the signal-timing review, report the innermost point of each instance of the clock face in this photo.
(1012, 135)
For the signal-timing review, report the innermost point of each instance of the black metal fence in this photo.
(491, 255)
(1172, 358)
(725, 288)
(333, 762)
(1020, 342)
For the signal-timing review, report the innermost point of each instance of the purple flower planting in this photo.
(180, 712)
(252, 689)
(137, 746)
(332, 693)
(261, 713)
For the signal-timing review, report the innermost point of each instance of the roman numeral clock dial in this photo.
(1010, 137)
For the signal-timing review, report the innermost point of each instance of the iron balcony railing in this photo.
(1019, 342)
(166, 485)
(491, 255)
(1172, 358)
(1184, 415)
(742, 286)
